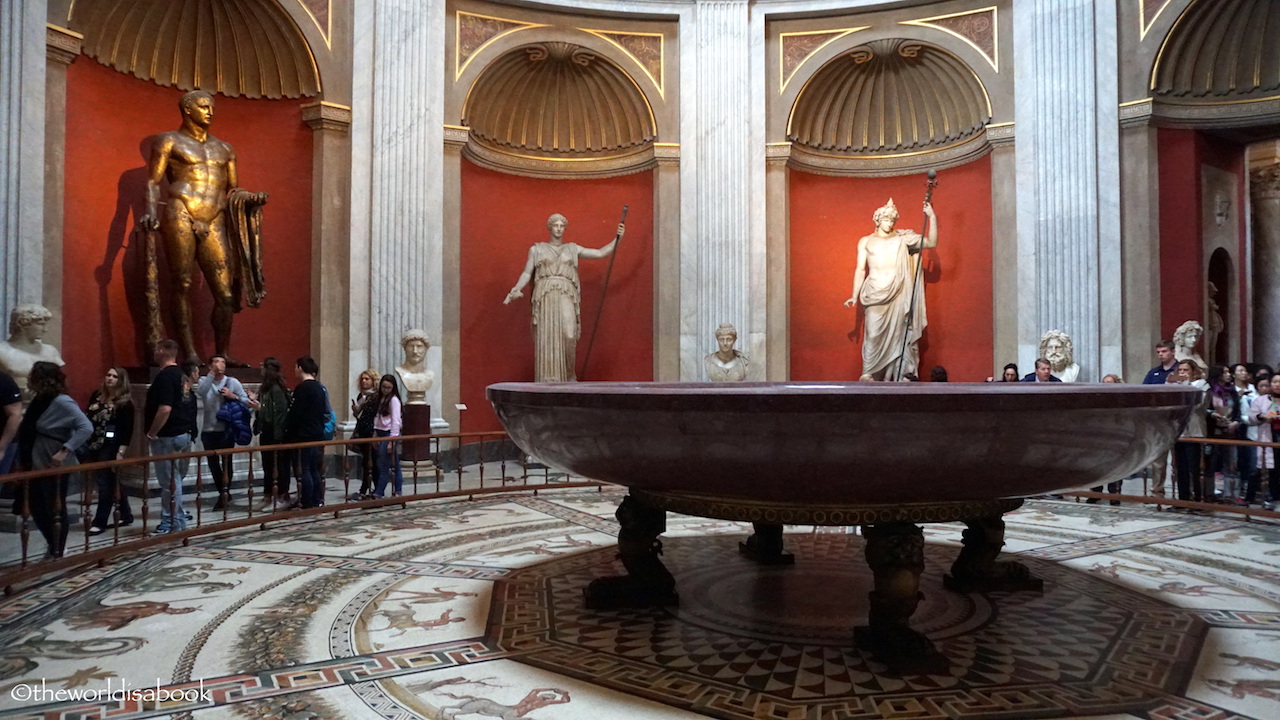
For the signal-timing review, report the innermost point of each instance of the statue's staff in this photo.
(929, 185)
(617, 239)
(155, 325)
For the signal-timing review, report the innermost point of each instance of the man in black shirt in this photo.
(11, 416)
(305, 421)
(169, 432)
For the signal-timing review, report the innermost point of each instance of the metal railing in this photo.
(443, 465)
(1204, 495)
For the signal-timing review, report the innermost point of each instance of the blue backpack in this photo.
(331, 420)
(235, 415)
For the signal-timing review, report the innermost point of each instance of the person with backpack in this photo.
(215, 390)
(272, 404)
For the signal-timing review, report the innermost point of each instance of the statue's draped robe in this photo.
(244, 235)
(556, 324)
(886, 302)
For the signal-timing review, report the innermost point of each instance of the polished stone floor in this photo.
(473, 609)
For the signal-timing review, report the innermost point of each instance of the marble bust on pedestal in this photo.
(25, 347)
(1057, 348)
(1185, 339)
(726, 364)
(414, 376)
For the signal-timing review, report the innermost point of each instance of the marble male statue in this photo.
(414, 376)
(25, 346)
(1185, 339)
(553, 267)
(884, 283)
(725, 364)
(207, 221)
(1057, 348)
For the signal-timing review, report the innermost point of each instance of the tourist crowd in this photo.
(183, 406)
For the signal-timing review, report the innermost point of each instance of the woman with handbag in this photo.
(364, 408)
(111, 412)
(52, 430)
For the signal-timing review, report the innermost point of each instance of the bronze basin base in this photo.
(894, 551)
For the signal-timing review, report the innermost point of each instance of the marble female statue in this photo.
(557, 299)
(1185, 339)
(414, 376)
(726, 364)
(884, 282)
(24, 348)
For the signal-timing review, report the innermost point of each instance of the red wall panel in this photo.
(502, 216)
(1181, 266)
(110, 120)
(830, 214)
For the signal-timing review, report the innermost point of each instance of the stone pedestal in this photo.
(417, 421)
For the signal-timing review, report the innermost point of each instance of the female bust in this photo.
(725, 364)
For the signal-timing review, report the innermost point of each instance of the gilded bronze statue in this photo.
(207, 221)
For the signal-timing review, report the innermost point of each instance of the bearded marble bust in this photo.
(25, 347)
(1057, 348)
(1185, 339)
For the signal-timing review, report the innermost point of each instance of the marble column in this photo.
(1069, 258)
(1004, 247)
(1140, 227)
(330, 241)
(1264, 191)
(22, 99)
(722, 248)
(455, 139)
(778, 250)
(666, 263)
(62, 47)
(397, 199)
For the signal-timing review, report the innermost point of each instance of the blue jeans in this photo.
(170, 474)
(388, 458)
(9, 458)
(311, 478)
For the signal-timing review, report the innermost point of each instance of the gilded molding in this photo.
(646, 49)
(745, 510)
(666, 153)
(777, 153)
(1000, 134)
(795, 48)
(321, 13)
(62, 45)
(474, 32)
(323, 115)
(1148, 11)
(569, 168)
(805, 159)
(1237, 113)
(979, 29)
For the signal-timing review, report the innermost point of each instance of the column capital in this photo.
(777, 153)
(1264, 183)
(62, 45)
(1000, 134)
(456, 136)
(666, 153)
(321, 115)
(1135, 113)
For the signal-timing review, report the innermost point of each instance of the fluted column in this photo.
(62, 47)
(399, 212)
(1069, 261)
(1264, 188)
(722, 248)
(22, 93)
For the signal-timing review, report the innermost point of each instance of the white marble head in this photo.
(888, 211)
(28, 320)
(1057, 348)
(415, 342)
(1188, 335)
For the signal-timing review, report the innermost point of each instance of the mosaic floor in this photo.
(473, 609)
